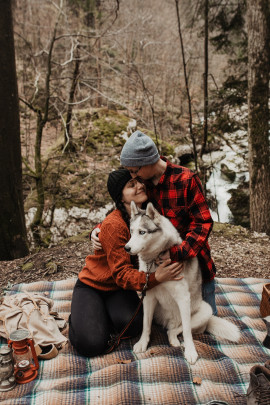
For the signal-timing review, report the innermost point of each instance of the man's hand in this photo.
(168, 271)
(95, 240)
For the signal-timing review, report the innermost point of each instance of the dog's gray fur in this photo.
(176, 305)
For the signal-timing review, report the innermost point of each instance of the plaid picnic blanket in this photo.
(161, 375)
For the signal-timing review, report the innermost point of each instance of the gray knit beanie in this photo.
(139, 150)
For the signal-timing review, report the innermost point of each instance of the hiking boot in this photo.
(258, 392)
(266, 341)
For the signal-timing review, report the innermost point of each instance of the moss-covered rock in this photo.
(230, 231)
(82, 237)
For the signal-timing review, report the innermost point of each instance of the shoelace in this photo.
(263, 396)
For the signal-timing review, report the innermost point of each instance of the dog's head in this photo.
(144, 229)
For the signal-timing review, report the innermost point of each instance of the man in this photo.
(177, 193)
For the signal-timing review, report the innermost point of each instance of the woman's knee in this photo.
(88, 345)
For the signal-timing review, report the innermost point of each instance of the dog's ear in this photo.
(152, 212)
(134, 209)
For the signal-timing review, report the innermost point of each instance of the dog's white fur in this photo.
(176, 305)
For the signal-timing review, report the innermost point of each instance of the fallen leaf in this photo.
(197, 380)
(123, 361)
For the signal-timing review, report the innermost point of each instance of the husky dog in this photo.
(176, 305)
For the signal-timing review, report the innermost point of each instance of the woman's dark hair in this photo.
(121, 207)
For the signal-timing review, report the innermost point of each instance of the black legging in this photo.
(96, 314)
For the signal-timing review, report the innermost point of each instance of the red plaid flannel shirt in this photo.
(179, 196)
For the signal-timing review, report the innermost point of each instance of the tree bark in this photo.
(74, 81)
(98, 64)
(13, 239)
(258, 114)
(205, 77)
(37, 221)
(187, 86)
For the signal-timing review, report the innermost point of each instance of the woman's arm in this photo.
(113, 238)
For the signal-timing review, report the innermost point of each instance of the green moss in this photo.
(46, 238)
(109, 128)
(27, 266)
(190, 165)
(82, 237)
(106, 126)
(231, 231)
(51, 267)
(165, 148)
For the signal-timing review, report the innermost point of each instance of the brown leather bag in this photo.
(265, 301)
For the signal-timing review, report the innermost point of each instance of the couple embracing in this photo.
(105, 294)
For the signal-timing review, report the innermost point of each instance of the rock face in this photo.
(239, 204)
(68, 222)
(229, 174)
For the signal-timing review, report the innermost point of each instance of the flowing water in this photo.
(218, 186)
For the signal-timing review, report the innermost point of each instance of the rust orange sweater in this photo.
(110, 268)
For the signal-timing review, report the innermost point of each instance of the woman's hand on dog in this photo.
(168, 271)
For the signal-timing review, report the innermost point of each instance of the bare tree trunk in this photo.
(37, 221)
(98, 73)
(13, 240)
(42, 119)
(258, 114)
(74, 81)
(205, 81)
(187, 86)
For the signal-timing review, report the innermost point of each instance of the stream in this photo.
(218, 185)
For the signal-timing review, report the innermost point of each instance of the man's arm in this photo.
(200, 224)
(95, 239)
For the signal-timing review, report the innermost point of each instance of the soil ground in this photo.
(237, 252)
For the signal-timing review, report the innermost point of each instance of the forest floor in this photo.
(237, 253)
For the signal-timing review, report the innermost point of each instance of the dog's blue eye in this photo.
(142, 232)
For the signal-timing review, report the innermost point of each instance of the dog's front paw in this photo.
(191, 356)
(174, 341)
(140, 346)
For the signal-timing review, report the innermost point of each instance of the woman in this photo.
(104, 297)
